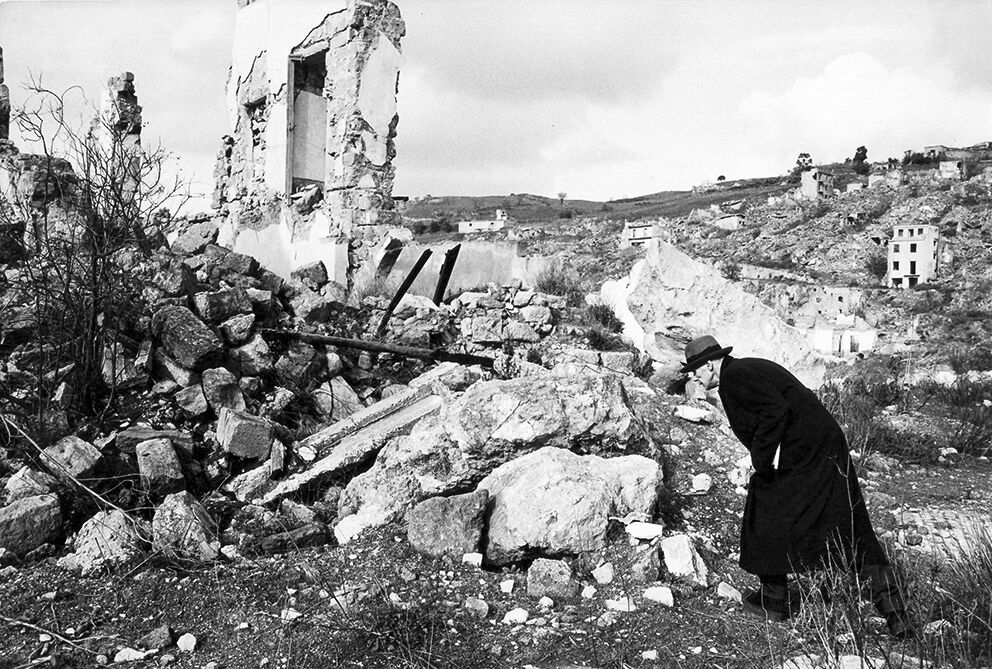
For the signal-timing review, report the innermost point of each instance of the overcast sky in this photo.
(601, 99)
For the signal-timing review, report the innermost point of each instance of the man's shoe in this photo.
(776, 610)
(899, 625)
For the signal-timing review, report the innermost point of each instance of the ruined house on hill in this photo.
(306, 173)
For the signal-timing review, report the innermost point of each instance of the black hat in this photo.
(700, 351)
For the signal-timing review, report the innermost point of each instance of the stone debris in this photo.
(603, 573)
(186, 643)
(727, 591)
(131, 655)
(108, 541)
(552, 578)
(693, 414)
(621, 605)
(661, 594)
(682, 560)
(72, 457)
(448, 525)
(702, 483)
(181, 527)
(244, 435)
(159, 468)
(516, 616)
(477, 607)
(30, 522)
(645, 531)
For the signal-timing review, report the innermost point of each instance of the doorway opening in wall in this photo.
(913, 281)
(307, 127)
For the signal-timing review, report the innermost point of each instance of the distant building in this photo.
(956, 169)
(816, 183)
(498, 222)
(638, 233)
(892, 178)
(913, 255)
(853, 186)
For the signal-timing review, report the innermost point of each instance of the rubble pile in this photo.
(230, 439)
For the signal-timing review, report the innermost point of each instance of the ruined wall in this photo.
(4, 104)
(312, 104)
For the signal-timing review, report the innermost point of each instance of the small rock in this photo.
(102, 660)
(550, 577)
(661, 594)
(692, 414)
(681, 559)
(477, 607)
(474, 559)
(545, 602)
(937, 627)
(186, 643)
(608, 619)
(702, 482)
(166, 660)
(157, 639)
(645, 531)
(131, 655)
(507, 586)
(623, 604)
(650, 655)
(516, 616)
(589, 592)
(728, 591)
(603, 573)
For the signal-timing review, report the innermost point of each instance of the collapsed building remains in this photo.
(307, 172)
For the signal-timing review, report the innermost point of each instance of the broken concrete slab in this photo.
(109, 540)
(127, 440)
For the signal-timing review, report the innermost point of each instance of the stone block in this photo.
(28, 483)
(244, 435)
(682, 560)
(237, 329)
(185, 338)
(222, 390)
(193, 401)
(159, 467)
(72, 457)
(448, 525)
(336, 400)
(254, 356)
(220, 305)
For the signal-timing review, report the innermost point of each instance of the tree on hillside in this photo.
(860, 161)
(561, 197)
(803, 163)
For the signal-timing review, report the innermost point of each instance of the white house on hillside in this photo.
(913, 255)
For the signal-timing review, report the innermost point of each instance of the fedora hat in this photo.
(700, 351)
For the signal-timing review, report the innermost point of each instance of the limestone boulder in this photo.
(109, 540)
(448, 525)
(185, 338)
(300, 363)
(182, 528)
(193, 401)
(29, 523)
(489, 424)
(312, 275)
(554, 502)
(682, 560)
(673, 298)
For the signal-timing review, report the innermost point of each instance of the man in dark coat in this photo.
(804, 508)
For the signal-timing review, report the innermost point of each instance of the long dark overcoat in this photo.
(811, 505)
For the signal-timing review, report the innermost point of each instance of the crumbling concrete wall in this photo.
(307, 173)
(4, 104)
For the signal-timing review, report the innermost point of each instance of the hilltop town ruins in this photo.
(262, 396)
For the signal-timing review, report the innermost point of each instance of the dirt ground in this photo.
(377, 603)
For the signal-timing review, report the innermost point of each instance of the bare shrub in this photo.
(556, 279)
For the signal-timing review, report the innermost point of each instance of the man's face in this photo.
(706, 375)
